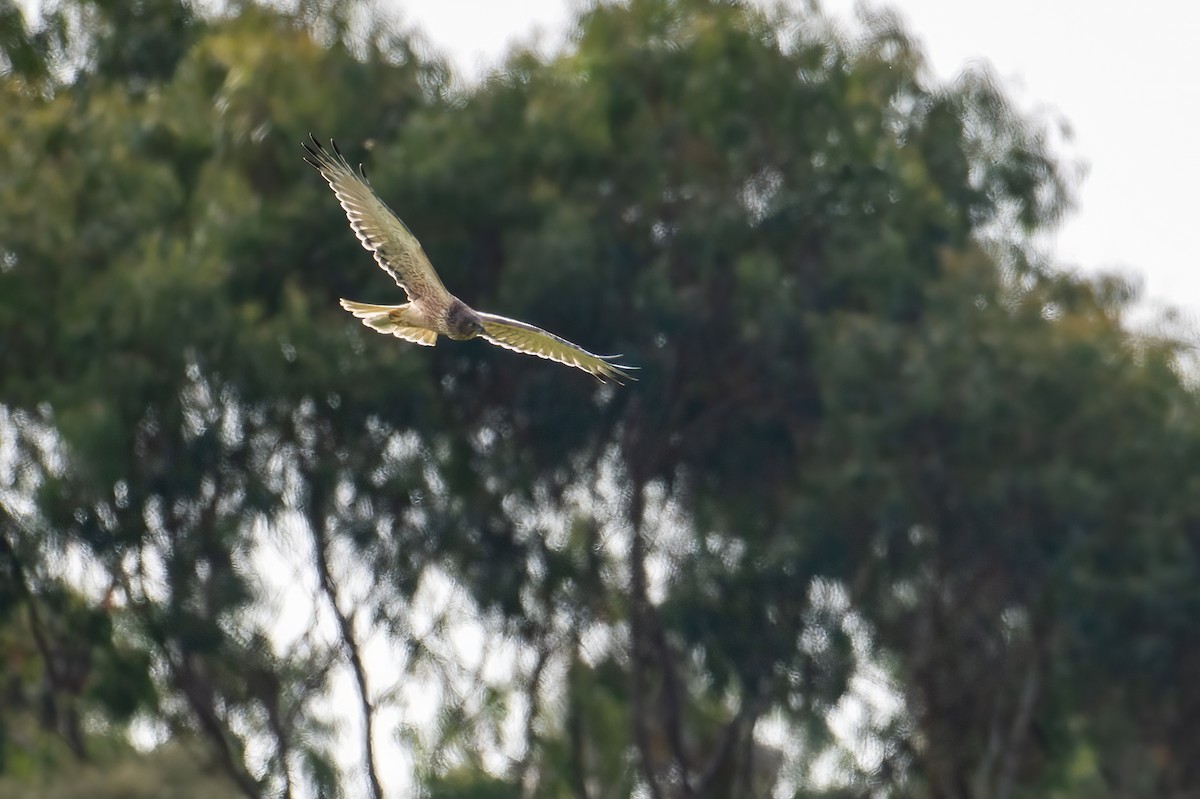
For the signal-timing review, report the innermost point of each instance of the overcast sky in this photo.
(1124, 77)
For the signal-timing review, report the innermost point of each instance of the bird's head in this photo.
(462, 322)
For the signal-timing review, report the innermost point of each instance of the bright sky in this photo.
(1122, 75)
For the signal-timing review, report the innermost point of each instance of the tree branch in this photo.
(578, 770)
(199, 692)
(672, 704)
(350, 645)
(1020, 725)
(66, 722)
(722, 751)
(637, 643)
(196, 689)
(535, 681)
(282, 746)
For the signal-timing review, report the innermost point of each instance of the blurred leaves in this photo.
(879, 456)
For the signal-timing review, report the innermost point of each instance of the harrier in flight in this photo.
(431, 310)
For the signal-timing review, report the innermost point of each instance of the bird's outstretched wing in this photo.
(396, 249)
(521, 337)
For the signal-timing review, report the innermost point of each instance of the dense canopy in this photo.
(897, 507)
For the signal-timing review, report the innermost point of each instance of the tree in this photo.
(173, 771)
(875, 439)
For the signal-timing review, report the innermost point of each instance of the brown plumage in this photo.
(431, 310)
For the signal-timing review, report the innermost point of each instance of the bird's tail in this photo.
(394, 320)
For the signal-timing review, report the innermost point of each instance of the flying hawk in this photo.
(431, 310)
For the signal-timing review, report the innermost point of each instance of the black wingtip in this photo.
(336, 150)
(315, 158)
(316, 151)
(315, 143)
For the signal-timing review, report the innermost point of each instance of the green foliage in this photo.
(873, 440)
(471, 785)
(173, 771)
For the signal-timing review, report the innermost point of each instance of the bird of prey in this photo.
(431, 310)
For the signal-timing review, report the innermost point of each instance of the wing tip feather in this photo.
(616, 373)
(322, 156)
(318, 157)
